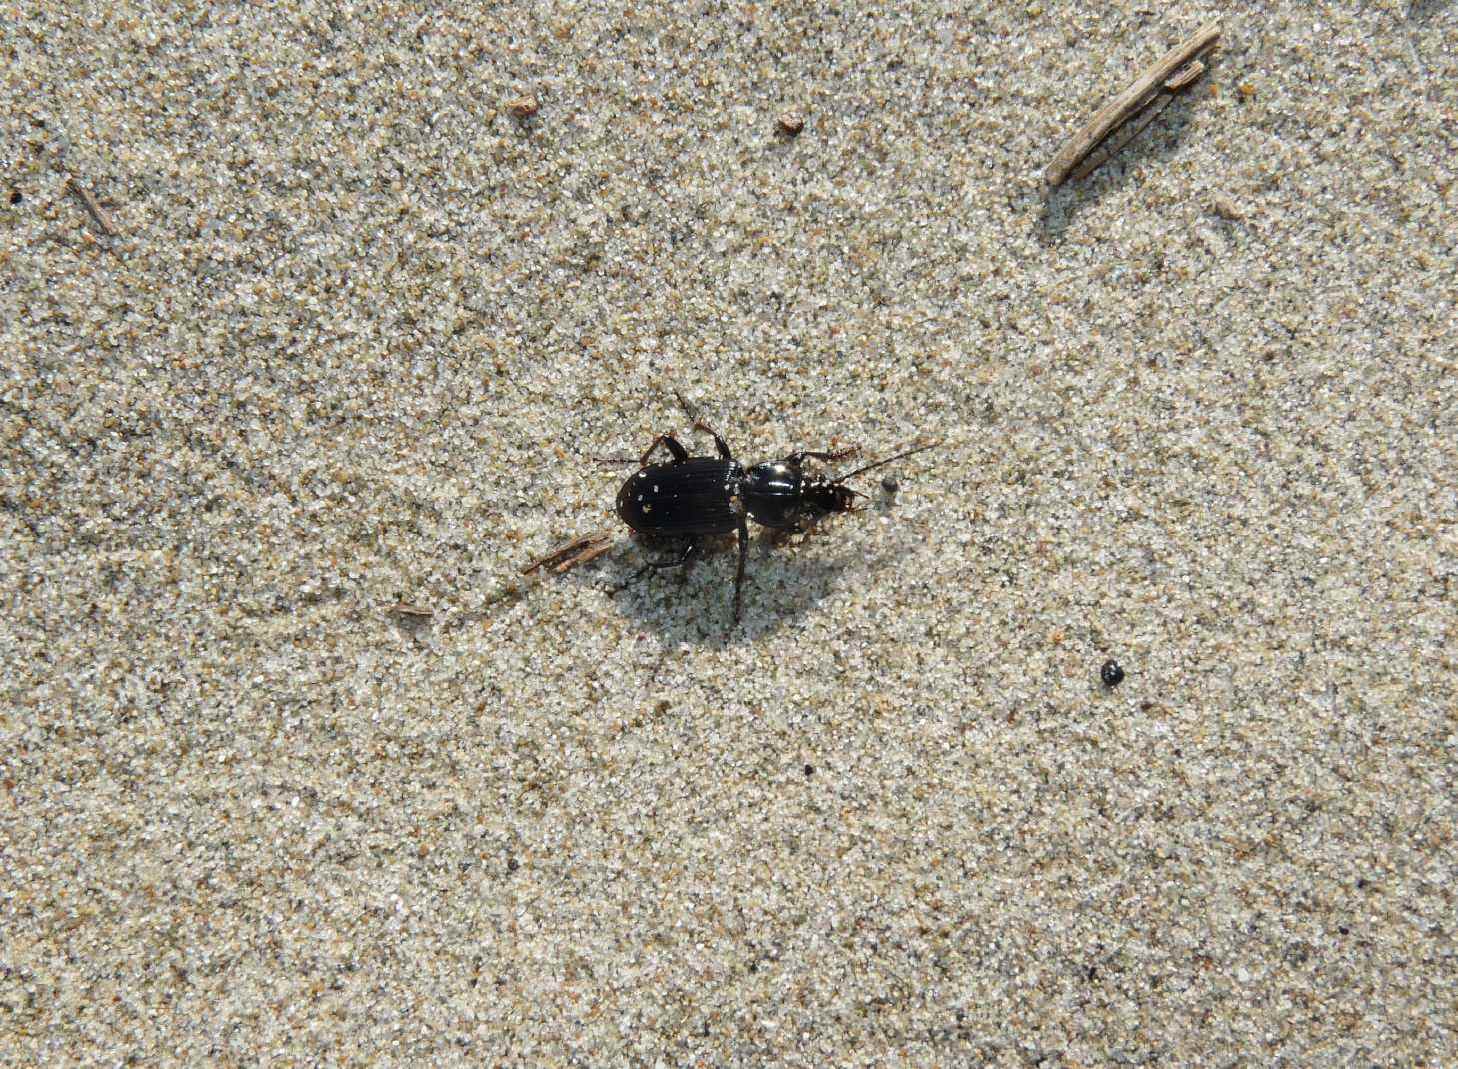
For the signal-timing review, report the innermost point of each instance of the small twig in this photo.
(562, 559)
(92, 208)
(405, 608)
(1177, 69)
(569, 555)
(588, 554)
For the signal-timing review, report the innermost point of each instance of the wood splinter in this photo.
(570, 555)
(1133, 109)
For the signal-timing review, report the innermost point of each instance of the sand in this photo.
(363, 336)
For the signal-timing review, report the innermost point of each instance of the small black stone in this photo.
(1111, 673)
(809, 770)
(512, 864)
(15, 197)
(890, 485)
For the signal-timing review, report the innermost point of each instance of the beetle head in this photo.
(824, 496)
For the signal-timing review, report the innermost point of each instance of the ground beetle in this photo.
(690, 497)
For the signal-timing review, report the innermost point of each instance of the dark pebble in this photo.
(1111, 673)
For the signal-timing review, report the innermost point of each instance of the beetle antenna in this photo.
(883, 463)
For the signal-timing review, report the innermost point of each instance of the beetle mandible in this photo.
(690, 497)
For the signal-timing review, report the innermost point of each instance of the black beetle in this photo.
(689, 497)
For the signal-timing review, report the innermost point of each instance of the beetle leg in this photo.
(719, 443)
(669, 442)
(799, 458)
(743, 555)
(683, 560)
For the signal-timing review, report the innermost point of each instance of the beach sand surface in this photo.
(354, 330)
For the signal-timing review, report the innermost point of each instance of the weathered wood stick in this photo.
(1173, 71)
(588, 547)
(1109, 147)
(588, 554)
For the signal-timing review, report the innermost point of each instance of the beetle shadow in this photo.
(696, 606)
(1156, 143)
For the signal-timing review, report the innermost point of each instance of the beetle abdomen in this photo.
(695, 497)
